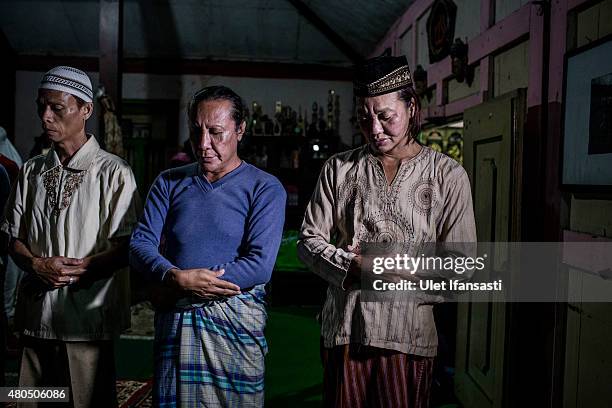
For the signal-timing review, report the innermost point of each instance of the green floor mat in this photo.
(294, 374)
(287, 259)
(134, 359)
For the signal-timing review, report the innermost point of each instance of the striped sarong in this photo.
(357, 376)
(212, 355)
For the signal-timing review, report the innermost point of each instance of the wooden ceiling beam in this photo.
(238, 69)
(326, 30)
(43, 63)
(169, 66)
(111, 49)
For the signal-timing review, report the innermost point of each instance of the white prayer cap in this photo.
(69, 80)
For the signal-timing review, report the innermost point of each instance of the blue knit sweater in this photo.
(234, 223)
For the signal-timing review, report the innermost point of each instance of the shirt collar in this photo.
(376, 161)
(81, 160)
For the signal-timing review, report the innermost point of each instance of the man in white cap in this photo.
(69, 218)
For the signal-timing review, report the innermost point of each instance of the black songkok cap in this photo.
(381, 75)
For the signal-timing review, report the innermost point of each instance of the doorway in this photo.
(446, 138)
(150, 129)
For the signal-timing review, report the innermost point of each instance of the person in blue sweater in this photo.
(209, 234)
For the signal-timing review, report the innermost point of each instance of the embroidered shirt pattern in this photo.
(51, 182)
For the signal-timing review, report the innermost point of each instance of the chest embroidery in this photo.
(423, 197)
(381, 226)
(352, 191)
(51, 181)
(389, 194)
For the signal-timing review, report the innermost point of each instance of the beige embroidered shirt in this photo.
(73, 211)
(428, 201)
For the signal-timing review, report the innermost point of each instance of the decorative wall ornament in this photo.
(459, 62)
(420, 83)
(113, 137)
(441, 29)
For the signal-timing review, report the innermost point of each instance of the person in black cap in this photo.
(391, 190)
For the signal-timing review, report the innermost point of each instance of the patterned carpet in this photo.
(134, 394)
(130, 394)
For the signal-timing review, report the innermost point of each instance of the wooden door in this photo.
(492, 152)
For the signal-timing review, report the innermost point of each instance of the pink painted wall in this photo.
(522, 24)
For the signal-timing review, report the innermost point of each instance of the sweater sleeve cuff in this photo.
(159, 271)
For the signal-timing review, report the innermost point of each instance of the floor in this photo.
(293, 367)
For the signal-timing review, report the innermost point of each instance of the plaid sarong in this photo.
(213, 355)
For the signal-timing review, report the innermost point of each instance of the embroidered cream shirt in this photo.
(428, 201)
(73, 211)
